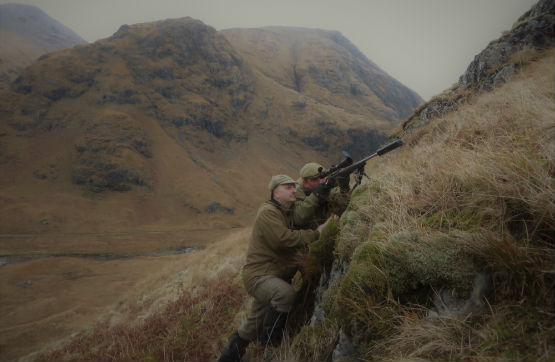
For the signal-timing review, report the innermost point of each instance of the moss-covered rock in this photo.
(322, 250)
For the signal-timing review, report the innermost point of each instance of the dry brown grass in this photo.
(499, 148)
(185, 330)
(190, 327)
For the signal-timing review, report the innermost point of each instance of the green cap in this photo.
(280, 180)
(310, 170)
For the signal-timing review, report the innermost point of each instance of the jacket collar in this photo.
(280, 207)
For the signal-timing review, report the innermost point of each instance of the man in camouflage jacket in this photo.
(316, 199)
(269, 268)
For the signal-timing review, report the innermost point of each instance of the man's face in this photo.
(285, 193)
(312, 183)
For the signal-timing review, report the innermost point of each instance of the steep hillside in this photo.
(165, 125)
(28, 33)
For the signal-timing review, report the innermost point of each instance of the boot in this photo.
(273, 327)
(235, 350)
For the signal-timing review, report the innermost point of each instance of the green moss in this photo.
(329, 296)
(378, 232)
(354, 229)
(322, 250)
(359, 218)
(364, 281)
(413, 262)
(405, 268)
(349, 218)
(467, 219)
(363, 195)
(361, 304)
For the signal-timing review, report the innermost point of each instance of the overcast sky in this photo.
(425, 44)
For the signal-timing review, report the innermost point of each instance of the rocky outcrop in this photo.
(495, 65)
(112, 155)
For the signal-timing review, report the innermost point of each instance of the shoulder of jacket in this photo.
(301, 191)
(268, 207)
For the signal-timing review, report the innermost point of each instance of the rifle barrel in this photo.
(385, 149)
(390, 147)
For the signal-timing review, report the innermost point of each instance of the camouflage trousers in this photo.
(267, 291)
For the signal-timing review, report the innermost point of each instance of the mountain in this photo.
(174, 122)
(325, 66)
(27, 32)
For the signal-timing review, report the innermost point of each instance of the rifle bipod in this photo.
(359, 173)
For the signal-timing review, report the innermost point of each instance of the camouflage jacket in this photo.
(310, 211)
(273, 244)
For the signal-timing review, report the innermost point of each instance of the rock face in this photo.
(28, 33)
(184, 116)
(495, 65)
(492, 66)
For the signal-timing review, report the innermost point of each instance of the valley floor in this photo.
(45, 301)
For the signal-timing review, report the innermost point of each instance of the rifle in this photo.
(346, 167)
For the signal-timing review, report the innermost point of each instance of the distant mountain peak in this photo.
(30, 21)
(27, 33)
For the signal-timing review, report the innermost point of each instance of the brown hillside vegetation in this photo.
(155, 127)
(450, 250)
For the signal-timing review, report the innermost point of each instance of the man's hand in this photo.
(324, 188)
(322, 226)
(343, 182)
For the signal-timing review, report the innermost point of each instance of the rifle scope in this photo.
(346, 162)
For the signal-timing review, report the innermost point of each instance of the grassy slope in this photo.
(471, 194)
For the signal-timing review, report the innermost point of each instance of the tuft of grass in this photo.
(315, 343)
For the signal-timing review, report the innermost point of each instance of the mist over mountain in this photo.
(27, 33)
(325, 66)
